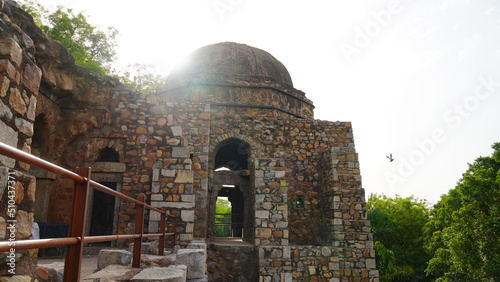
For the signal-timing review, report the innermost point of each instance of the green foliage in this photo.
(36, 10)
(397, 230)
(223, 211)
(463, 236)
(142, 78)
(91, 47)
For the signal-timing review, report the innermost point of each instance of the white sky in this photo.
(403, 80)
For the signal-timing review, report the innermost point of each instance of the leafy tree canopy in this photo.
(91, 47)
(142, 78)
(397, 231)
(463, 235)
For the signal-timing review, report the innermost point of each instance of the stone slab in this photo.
(173, 273)
(194, 259)
(114, 273)
(109, 257)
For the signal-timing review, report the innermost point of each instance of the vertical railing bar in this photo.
(174, 230)
(74, 253)
(139, 229)
(163, 224)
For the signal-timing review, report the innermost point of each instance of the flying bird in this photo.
(390, 157)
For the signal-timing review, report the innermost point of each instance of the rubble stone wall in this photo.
(19, 80)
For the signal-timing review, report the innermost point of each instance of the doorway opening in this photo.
(231, 195)
(102, 217)
(103, 211)
(229, 212)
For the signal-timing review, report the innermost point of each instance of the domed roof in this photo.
(229, 58)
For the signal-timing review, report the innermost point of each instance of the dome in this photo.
(234, 59)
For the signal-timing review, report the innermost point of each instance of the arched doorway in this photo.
(231, 187)
(103, 205)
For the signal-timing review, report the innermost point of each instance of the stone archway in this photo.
(231, 179)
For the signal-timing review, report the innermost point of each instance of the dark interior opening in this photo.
(103, 211)
(41, 135)
(108, 155)
(233, 156)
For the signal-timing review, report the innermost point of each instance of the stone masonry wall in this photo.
(19, 80)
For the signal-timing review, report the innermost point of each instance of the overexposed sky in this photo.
(418, 79)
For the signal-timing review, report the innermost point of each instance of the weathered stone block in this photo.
(31, 78)
(188, 198)
(168, 172)
(16, 101)
(187, 216)
(5, 112)
(176, 130)
(10, 47)
(180, 152)
(109, 257)
(154, 215)
(173, 273)
(56, 268)
(24, 126)
(194, 259)
(263, 232)
(262, 214)
(184, 176)
(370, 263)
(157, 197)
(113, 273)
(24, 224)
(9, 136)
(4, 86)
(145, 247)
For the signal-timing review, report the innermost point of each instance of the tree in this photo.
(91, 47)
(142, 78)
(223, 218)
(463, 235)
(397, 231)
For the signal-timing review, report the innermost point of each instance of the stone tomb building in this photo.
(228, 123)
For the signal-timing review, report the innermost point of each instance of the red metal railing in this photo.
(76, 234)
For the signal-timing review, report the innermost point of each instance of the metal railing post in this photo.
(174, 230)
(163, 224)
(74, 252)
(139, 229)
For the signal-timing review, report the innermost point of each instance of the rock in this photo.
(184, 176)
(18, 278)
(109, 257)
(173, 273)
(9, 137)
(145, 249)
(55, 268)
(113, 273)
(194, 259)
